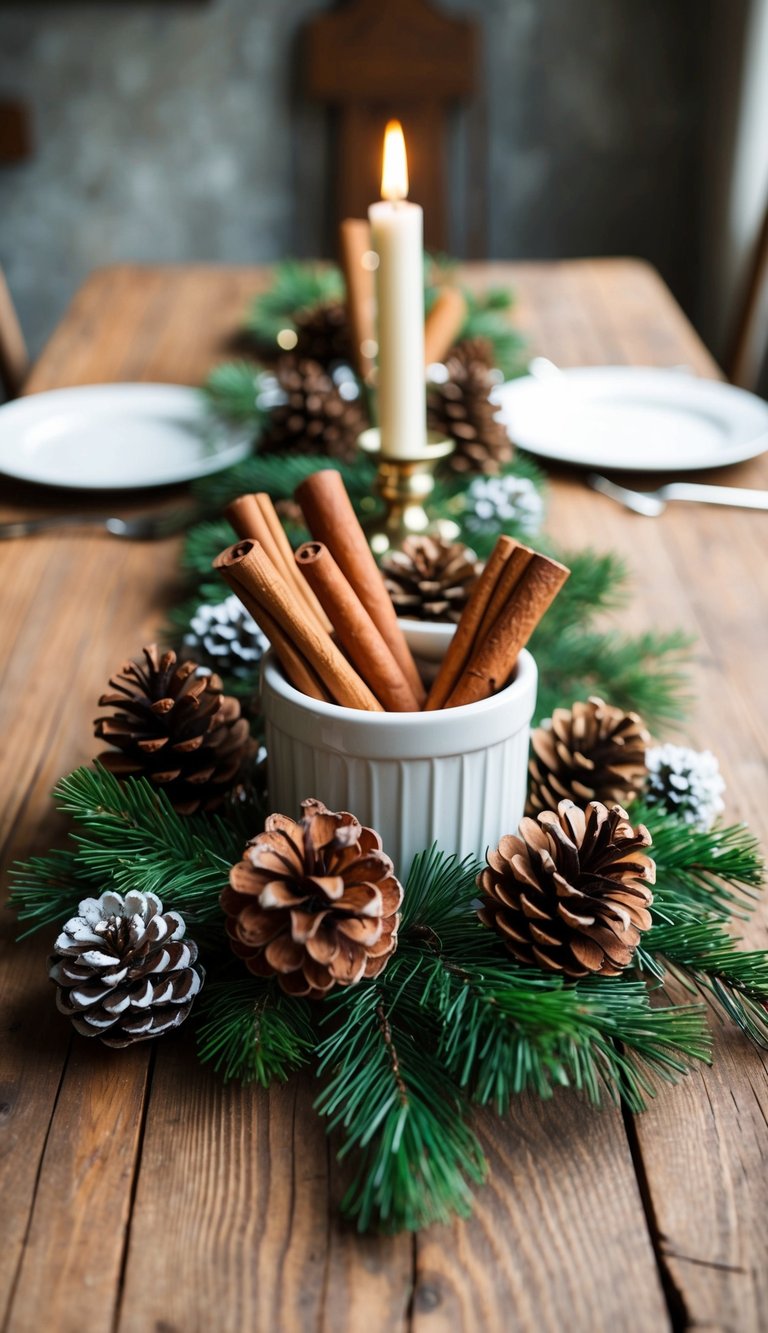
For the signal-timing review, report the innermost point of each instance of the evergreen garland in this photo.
(453, 1019)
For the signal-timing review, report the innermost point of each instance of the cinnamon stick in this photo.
(443, 324)
(463, 641)
(355, 630)
(492, 663)
(296, 668)
(518, 561)
(355, 244)
(332, 520)
(251, 568)
(255, 517)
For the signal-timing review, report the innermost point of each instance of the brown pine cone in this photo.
(175, 728)
(590, 752)
(311, 415)
(323, 333)
(315, 902)
(123, 969)
(461, 409)
(477, 349)
(570, 892)
(430, 579)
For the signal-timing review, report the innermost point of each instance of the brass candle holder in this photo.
(405, 484)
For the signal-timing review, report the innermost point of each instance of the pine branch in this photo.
(295, 286)
(252, 1031)
(404, 1122)
(642, 673)
(233, 391)
(202, 544)
(506, 1029)
(46, 889)
(279, 475)
(129, 833)
(719, 872)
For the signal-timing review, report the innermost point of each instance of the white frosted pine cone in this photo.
(227, 637)
(123, 970)
(686, 782)
(502, 501)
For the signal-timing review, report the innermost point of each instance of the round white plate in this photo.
(115, 437)
(636, 418)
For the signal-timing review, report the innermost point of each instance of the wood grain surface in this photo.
(138, 1194)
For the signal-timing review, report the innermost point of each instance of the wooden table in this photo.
(138, 1193)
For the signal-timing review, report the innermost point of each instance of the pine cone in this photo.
(570, 892)
(461, 408)
(123, 969)
(175, 728)
(323, 333)
(226, 637)
(591, 752)
(430, 579)
(313, 413)
(315, 902)
(477, 349)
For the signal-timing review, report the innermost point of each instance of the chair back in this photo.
(372, 61)
(14, 359)
(750, 345)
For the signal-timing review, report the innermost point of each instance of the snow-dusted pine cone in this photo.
(123, 970)
(687, 783)
(225, 637)
(500, 502)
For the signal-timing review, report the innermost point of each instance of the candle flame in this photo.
(394, 171)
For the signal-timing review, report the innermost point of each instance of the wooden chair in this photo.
(750, 345)
(14, 359)
(376, 59)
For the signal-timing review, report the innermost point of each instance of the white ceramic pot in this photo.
(456, 776)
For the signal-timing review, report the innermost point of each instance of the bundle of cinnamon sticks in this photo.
(331, 622)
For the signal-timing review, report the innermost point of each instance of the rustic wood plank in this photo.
(558, 1215)
(70, 1270)
(533, 1248)
(241, 1232)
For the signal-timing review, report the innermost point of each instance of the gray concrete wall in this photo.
(175, 131)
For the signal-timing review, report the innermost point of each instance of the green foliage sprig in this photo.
(452, 1020)
(295, 286)
(127, 835)
(250, 1031)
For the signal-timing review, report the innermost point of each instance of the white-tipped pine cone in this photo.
(123, 970)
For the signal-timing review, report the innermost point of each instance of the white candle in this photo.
(397, 238)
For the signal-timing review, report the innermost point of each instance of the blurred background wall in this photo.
(179, 131)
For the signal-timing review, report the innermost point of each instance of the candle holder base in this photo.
(405, 484)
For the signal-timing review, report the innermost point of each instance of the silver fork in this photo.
(143, 528)
(653, 503)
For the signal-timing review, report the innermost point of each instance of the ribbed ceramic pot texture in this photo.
(456, 776)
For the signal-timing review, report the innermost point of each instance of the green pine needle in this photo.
(128, 836)
(719, 871)
(232, 391)
(295, 286)
(398, 1116)
(47, 889)
(252, 1031)
(279, 475)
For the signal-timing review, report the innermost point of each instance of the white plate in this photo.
(114, 437)
(640, 419)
